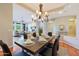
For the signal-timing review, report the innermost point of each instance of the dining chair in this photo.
(51, 51)
(50, 34)
(5, 49)
(55, 47)
(58, 42)
(25, 35)
(34, 34)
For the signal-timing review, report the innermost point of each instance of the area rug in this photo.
(63, 51)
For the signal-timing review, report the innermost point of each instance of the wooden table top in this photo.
(33, 48)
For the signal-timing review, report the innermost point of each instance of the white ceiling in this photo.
(69, 10)
(21, 14)
(46, 7)
(26, 10)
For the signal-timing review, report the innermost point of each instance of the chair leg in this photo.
(22, 50)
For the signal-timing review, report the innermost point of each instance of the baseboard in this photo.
(72, 45)
(71, 41)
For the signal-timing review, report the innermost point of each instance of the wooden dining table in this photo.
(34, 48)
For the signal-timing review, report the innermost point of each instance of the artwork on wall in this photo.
(61, 27)
(72, 27)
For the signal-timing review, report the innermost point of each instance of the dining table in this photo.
(36, 47)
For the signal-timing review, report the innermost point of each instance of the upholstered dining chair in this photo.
(5, 49)
(58, 41)
(25, 35)
(34, 34)
(55, 47)
(50, 34)
(51, 51)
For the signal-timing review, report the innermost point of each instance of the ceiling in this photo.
(46, 6)
(25, 11)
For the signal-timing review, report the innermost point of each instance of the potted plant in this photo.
(40, 31)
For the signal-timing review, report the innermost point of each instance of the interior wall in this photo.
(50, 26)
(65, 22)
(21, 14)
(61, 21)
(6, 23)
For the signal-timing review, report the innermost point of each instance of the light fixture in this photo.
(60, 12)
(46, 13)
(37, 11)
(32, 16)
(40, 14)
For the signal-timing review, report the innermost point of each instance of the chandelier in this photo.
(40, 14)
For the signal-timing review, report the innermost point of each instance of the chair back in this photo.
(58, 38)
(55, 46)
(25, 35)
(5, 49)
(49, 33)
(34, 34)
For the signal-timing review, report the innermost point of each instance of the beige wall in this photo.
(6, 23)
